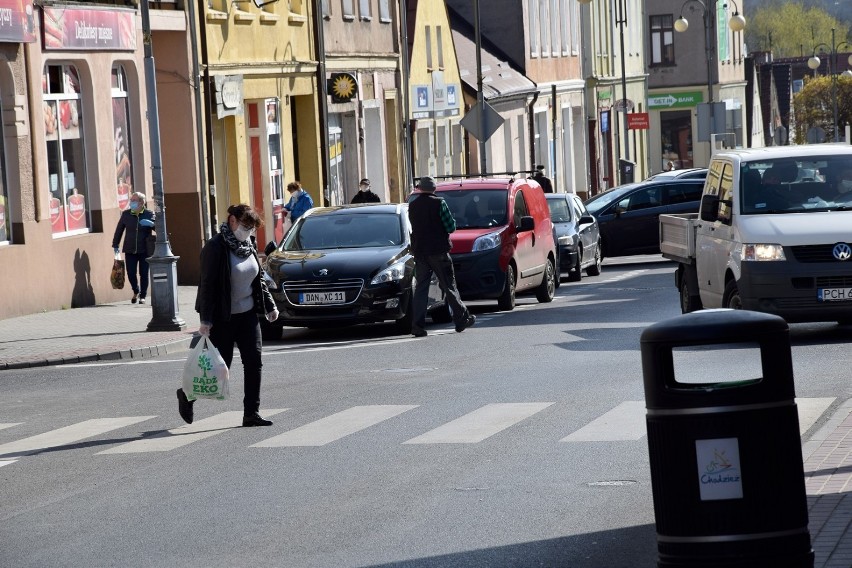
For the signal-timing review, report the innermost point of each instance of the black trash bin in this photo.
(725, 456)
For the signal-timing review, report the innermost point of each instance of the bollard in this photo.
(726, 458)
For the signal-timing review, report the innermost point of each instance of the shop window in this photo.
(66, 163)
(5, 222)
(662, 40)
(121, 137)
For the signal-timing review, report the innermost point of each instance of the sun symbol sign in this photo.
(343, 87)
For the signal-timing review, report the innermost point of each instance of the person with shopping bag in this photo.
(137, 225)
(231, 296)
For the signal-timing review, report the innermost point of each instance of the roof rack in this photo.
(512, 175)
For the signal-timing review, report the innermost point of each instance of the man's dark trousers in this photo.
(442, 266)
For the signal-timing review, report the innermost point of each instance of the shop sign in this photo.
(71, 28)
(445, 97)
(17, 21)
(343, 87)
(638, 121)
(604, 95)
(421, 101)
(675, 100)
(229, 95)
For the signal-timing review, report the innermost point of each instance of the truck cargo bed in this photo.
(677, 236)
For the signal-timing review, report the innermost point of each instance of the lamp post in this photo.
(164, 304)
(814, 63)
(737, 23)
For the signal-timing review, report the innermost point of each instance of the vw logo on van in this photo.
(841, 251)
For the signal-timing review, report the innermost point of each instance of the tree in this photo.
(794, 29)
(813, 106)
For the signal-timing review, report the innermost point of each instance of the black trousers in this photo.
(244, 331)
(442, 266)
(137, 262)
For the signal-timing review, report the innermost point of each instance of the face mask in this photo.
(365, 187)
(134, 206)
(242, 234)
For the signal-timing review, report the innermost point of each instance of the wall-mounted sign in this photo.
(623, 105)
(675, 100)
(70, 28)
(638, 121)
(17, 21)
(229, 95)
(342, 87)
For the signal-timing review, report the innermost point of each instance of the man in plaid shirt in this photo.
(431, 225)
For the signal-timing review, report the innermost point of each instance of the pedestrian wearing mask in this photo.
(299, 202)
(431, 225)
(137, 225)
(232, 295)
(365, 195)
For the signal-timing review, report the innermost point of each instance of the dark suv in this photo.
(503, 244)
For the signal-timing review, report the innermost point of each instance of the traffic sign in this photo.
(638, 121)
(482, 121)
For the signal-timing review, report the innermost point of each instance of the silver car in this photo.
(577, 236)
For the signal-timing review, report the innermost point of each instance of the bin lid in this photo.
(717, 327)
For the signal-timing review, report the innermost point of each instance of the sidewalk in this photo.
(117, 331)
(96, 333)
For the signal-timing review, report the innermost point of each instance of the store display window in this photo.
(66, 164)
(121, 137)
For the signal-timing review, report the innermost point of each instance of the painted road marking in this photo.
(335, 427)
(624, 422)
(480, 424)
(185, 435)
(68, 435)
(9, 425)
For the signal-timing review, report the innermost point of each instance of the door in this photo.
(634, 226)
(587, 233)
(525, 251)
(713, 239)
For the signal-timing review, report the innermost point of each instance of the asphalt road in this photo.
(520, 442)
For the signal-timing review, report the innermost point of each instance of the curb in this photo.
(88, 356)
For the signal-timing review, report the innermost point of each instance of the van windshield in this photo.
(477, 208)
(791, 185)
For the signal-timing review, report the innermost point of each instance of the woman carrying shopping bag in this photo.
(231, 297)
(137, 224)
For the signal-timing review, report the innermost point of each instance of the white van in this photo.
(773, 234)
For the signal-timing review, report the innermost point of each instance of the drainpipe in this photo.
(408, 159)
(322, 86)
(554, 174)
(208, 123)
(199, 126)
(531, 127)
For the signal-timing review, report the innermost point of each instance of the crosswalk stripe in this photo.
(68, 435)
(334, 427)
(810, 409)
(179, 437)
(6, 462)
(480, 424)
(624, 422)
(8, 425)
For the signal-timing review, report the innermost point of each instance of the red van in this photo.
(503, 244)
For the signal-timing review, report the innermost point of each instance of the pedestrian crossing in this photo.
(623, 423)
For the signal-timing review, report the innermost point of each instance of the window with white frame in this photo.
(366, 10)
(326, 9)
(662, 40)
(564, 25)
(121, 137)
(543, 16)
(66, 163)
(554, 28)
(384, 11)
(348, 10)
(575, 27)
(532, 9)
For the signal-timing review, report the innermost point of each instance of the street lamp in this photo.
(814, 62)
(737, 23)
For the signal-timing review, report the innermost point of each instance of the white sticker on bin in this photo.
(719, 473)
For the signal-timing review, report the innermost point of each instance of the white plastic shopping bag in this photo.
(205, 374)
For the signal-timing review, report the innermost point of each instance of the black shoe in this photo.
(465, 323)
(184, 406)
(418, 332)
(256, 420)
(134, 298)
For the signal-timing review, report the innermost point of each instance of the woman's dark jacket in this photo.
(134, 240)
(213, 301)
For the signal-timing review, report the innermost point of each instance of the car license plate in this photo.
(322, 298)
(834, 294)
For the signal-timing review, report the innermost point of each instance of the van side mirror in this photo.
(270, 246)
(710, 208)
(527, 224)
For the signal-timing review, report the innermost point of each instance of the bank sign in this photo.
(675, 100)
